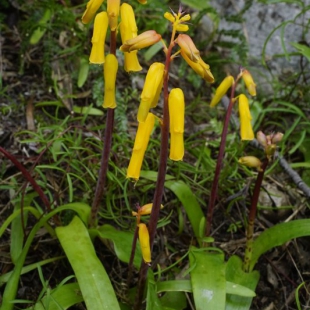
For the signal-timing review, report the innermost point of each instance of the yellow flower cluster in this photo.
(246, 131)
(154, 83)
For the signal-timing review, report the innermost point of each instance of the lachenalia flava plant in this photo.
(171, 123)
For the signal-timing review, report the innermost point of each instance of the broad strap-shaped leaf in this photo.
(122, 241)
(235, 274)
(208, 279)
(278, 235)
(61, 297)
(93, 280)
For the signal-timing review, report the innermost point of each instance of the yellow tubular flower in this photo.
(176, 114)
(144, 238)
(128, 29)
(142, 139)
(145, 210)
(142, 1)
(98, 39)
(222, 90)
(113, 12)
(151, 90)
(250, 161)
(188, 47)
(249, 83)
(110, 71)
(143, 40)
(201, 68)
(246, 131)
(91, 9)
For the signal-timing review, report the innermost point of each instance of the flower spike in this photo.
(98, 39)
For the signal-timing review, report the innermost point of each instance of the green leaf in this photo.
(278, 235)
(236, 275)
(61, 297)
(83, 71)
(12, 284)
(87, 110)
(302, 49)
(152, 300)
(174, 286)
(187, 198)
(174, 301)
(208, 279)
(5, 277)
(240, 290)
(39, 32)
(94, 282)
(122, 241)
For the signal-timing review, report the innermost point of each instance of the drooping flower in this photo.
(200, 67)
(188, 47)
(110, 72)
(143, 40)
(144, 239)
(151, 90)
(176, 114)
(222, 90)
(128, 29)
(91, 9)
(246, 130)
(250, 161)
(140, 145)
(98, 39)
(145, 210)
(113, 13)
(249, 82)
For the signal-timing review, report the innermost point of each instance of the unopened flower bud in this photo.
(250, 161)
(145, 210)
(276, 138)
(98, 39)
(222, 90)
(246, 131)
(188, 47)
(144, 239)
(176, 114)
(249, 82)
(143, 40)
(91, 9)
(261, 138)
